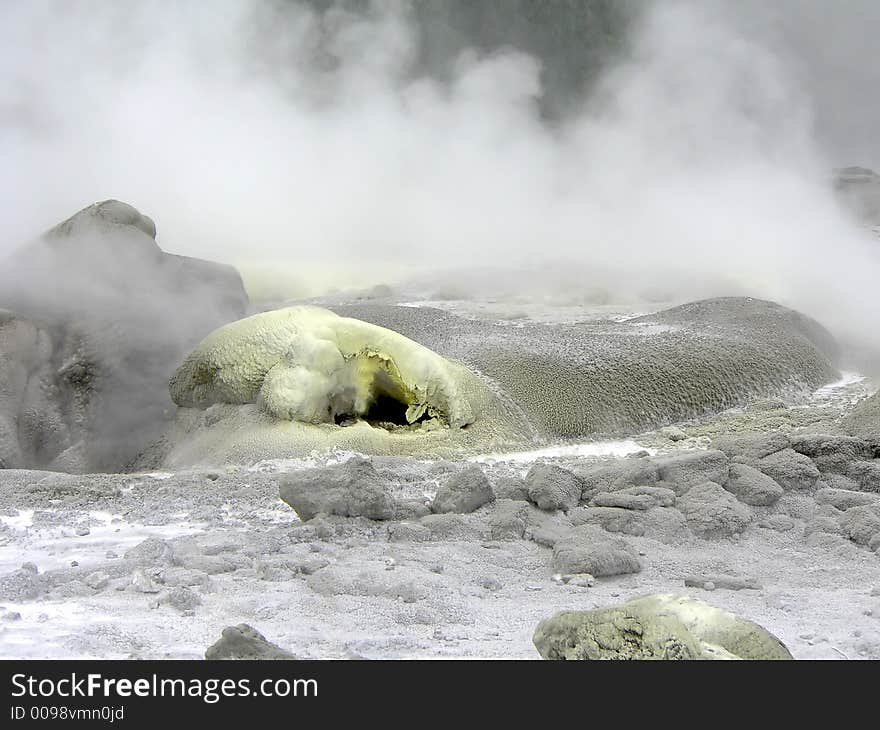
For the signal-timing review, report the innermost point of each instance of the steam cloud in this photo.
(258, 133)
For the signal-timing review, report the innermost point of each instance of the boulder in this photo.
(660, 626)
(83, 365)
(350, 489)
(617, 474)
(864, 420)
(789, 469)
(751, 447)
(713, 512)
(465, 491)
(752, 487)
(245, 642)
(866, 474)
(683, 471)
(832, 453)
(843, 499)
(638, 498)
(589, 549)
(552, 487)
(861, 524)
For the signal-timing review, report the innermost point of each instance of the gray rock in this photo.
(664, 524)
(463, 492)
(408, 532)
(245, 642)
(749, 448)
(861, 524)
(615, 475)
(97, 580)
(589, 549)
(684, 471)
(843, 499)
(789, 469)
(752, 487)
(451, 526)
(711, 511)
(350, 489)
(831, 453)
(183, 599)
(866, 474)
(637, 498)
(513, 488)
(509, 519)
(553, 488)
(826, 519)
(142, 582)
(864, 421)
(660, 626)
(186, 577)
(673, 433)
(23, 585)
(150, 552)
(727, 582)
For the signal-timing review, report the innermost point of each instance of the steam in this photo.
(277, 137)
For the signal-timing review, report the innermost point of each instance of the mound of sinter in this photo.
(660, 626)
(287, 382)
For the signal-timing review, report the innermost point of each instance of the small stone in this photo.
(82, 531)
(437, 568)
(490, 583)
(30, 567)
(708, 586)
(97, 580)
(12, 616)
(673, 433)
(142, 582)
(74, 563)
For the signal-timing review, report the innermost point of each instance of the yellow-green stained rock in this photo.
(659, 626)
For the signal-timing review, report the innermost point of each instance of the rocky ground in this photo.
(398, 558)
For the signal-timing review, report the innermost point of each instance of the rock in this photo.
(350, 489)
(683, 471)
(150, 552)
(401, 584)
(615, 475)
(245, 642)
(184, 577)
(588, 549)
(712, 512)
(637, 498)
(23, 584)
(864, 420)
(408, 532)
(95, 392)
(752, 447)
(866, 474)
(490, 583)
(463, 492)
(843, 499)
(728, 582)
(183, 599)
(82, 531)
(831, 453)
(752, 487)
(97, 580)
(509, 519)
(660, 626)
(789, 469)
(825, 519)
(659, 523)
(861, 524)
(512, 488)
(142, 582)
(673, 433)
(451, 526)
(553, 488)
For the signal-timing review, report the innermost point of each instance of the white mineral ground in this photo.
(438, 599)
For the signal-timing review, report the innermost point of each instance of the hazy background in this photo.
(673, 147)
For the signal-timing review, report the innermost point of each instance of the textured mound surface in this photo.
(660, 626)
(609, 377)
